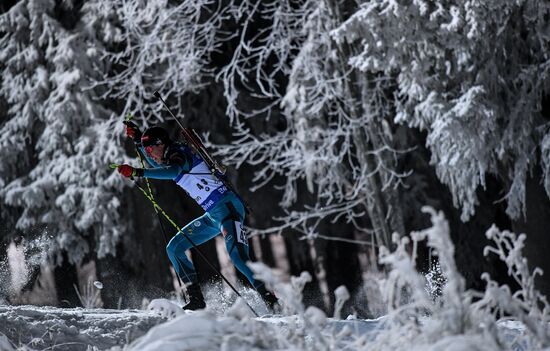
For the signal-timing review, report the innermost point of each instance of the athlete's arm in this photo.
(170, 172)
(177, 164)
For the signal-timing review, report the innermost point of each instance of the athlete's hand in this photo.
(129, 171)
(132, 131)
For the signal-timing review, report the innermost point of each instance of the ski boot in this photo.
(196, 300)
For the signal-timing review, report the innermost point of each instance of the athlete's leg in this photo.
(236, 243)
(199, 231)
(230, 216)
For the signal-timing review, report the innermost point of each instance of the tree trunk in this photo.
(342, 263)
(4, 271)
(66, 279)
(535, 225)
(300, 260)
(267, 252)
(382, 200)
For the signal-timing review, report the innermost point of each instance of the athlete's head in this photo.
(154, 141)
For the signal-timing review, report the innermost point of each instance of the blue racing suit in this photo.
(225, 212)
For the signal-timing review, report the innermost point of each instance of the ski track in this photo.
(52, 328)
(164, 326)
(60, 329)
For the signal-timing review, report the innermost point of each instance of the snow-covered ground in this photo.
(414, 319)
(165, 327)
(51, 328)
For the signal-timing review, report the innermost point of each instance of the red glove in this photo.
(132, 131)
(127, 171)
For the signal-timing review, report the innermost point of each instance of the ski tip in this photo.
(113, 166)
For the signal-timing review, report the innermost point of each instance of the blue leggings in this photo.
(226, 217)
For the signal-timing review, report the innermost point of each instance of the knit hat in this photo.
(155, 136)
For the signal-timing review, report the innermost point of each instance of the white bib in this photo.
(205, 188)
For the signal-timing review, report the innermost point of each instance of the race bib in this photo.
(241, 234)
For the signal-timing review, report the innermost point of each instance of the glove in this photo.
(132, 131)
(129, 171)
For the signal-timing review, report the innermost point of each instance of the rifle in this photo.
(194, 141)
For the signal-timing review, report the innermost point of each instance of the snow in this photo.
(169, 328)
(164, 326)
(39, 328)
(342, 295)
(454, 319)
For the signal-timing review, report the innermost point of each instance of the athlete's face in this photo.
(155, 152)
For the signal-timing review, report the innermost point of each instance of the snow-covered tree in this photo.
(56, 138)
(62, 86)
(315, 92)
(473, 74)
(154, 46)
(338, 135)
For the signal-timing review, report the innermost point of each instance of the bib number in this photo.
(240, 234)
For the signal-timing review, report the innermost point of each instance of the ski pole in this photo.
(156, 206)
(126, 120)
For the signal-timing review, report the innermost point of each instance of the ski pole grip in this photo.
(157, 95)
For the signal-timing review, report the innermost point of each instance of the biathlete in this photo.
(225, 212)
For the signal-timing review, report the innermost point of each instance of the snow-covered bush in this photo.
(460, 316)
(460, 319)
(89, 296)
(435, 280)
